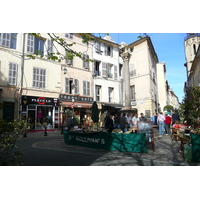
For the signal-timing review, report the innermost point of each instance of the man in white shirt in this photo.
(161, 123)
(128, 117)
(135, 119)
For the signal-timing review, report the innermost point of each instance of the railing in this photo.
(192, 35)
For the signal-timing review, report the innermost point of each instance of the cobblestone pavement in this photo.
(165, 154)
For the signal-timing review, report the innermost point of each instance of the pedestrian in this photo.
(168, 121)
(135, 119)
(123, 123)
(128, 117)
(109, 124)
(142, 117)
(175, 117)
(70, 123)
(117, 121)
(160, 121)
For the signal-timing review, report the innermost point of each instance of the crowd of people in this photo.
(125, 122)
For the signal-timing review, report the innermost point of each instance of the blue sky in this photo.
(169, 47)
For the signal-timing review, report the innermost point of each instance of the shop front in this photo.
(40, 112)
(79, 106)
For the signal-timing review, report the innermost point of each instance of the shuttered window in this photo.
(67, 88)
(39, 78)
(35, 45)
(86, 88)
(8, 40)
(12, 74)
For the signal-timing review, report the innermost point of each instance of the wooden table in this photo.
(184, 139)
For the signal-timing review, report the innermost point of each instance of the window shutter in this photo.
(67, 85)
(88, 88)
(12, 74)
(13, 40)
(105, 49)
(84, 87)
(76, 89)
(104, 69)
(111, 51)
(115, 72)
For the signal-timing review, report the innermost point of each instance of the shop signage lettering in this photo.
(87, 139)
(43, 101)
(64, 97)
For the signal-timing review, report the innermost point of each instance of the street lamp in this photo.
(72, 107)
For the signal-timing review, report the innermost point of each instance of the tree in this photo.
(190, 106)
(70, 53)
(168, 108)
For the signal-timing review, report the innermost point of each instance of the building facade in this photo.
(143, 77)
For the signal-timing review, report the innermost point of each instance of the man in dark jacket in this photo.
(175, 117)
(109, 124)
(123, 123)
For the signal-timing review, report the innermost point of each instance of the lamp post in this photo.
(72, 107)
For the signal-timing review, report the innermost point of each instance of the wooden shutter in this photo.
(104, 69)
(115, 72)
(67, 85)
(88, 88)
(111, 51)
(84, 88)
(76, 88)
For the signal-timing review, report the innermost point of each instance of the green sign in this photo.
(132, 142)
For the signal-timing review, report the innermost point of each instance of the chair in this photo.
(174, 134)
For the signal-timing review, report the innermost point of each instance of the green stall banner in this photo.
(131, 142)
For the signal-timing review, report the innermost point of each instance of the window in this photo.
(69, 35)
(107, 70)
(132, 69)
(96, 68)
(69, 85)
(108, 50)
(133, 96)
(110, 94)
(12, 74)
(35, 45)
(86, 88)
(49, 46)
(98, 92)
(39, 78)
(8, 40)
(98, 47)
(68, 61)
(85, 62)
(120, 69)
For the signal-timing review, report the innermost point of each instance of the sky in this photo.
(169, 48)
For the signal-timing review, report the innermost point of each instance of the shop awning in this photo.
(114, 105)
(76, 104)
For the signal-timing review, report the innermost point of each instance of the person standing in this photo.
(110, 124)
(117, 121)
(175, 117)
(168, 121)
(142, 117)
(161, 124)
(128, 117)
(135, 119)
(123, 123)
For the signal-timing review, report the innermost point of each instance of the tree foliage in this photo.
(190, 106)
(70, 53)
(9, 133)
